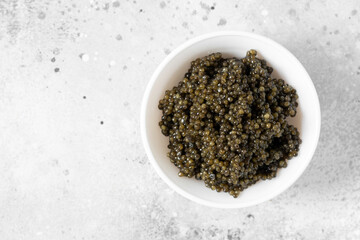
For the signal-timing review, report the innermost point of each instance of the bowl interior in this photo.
(286, 66)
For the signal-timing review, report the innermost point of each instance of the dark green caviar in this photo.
(226, 122)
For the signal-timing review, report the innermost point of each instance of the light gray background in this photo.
(64, 175)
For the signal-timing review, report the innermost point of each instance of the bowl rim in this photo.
(144, 104)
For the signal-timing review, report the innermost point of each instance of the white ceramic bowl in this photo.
(172, 70)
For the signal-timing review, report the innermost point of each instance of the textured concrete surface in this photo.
(72, 75)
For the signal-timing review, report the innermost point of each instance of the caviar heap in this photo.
(226, 122)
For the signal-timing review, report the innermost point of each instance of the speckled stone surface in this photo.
(72, 75)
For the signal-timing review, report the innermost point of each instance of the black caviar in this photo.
(226, 122)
